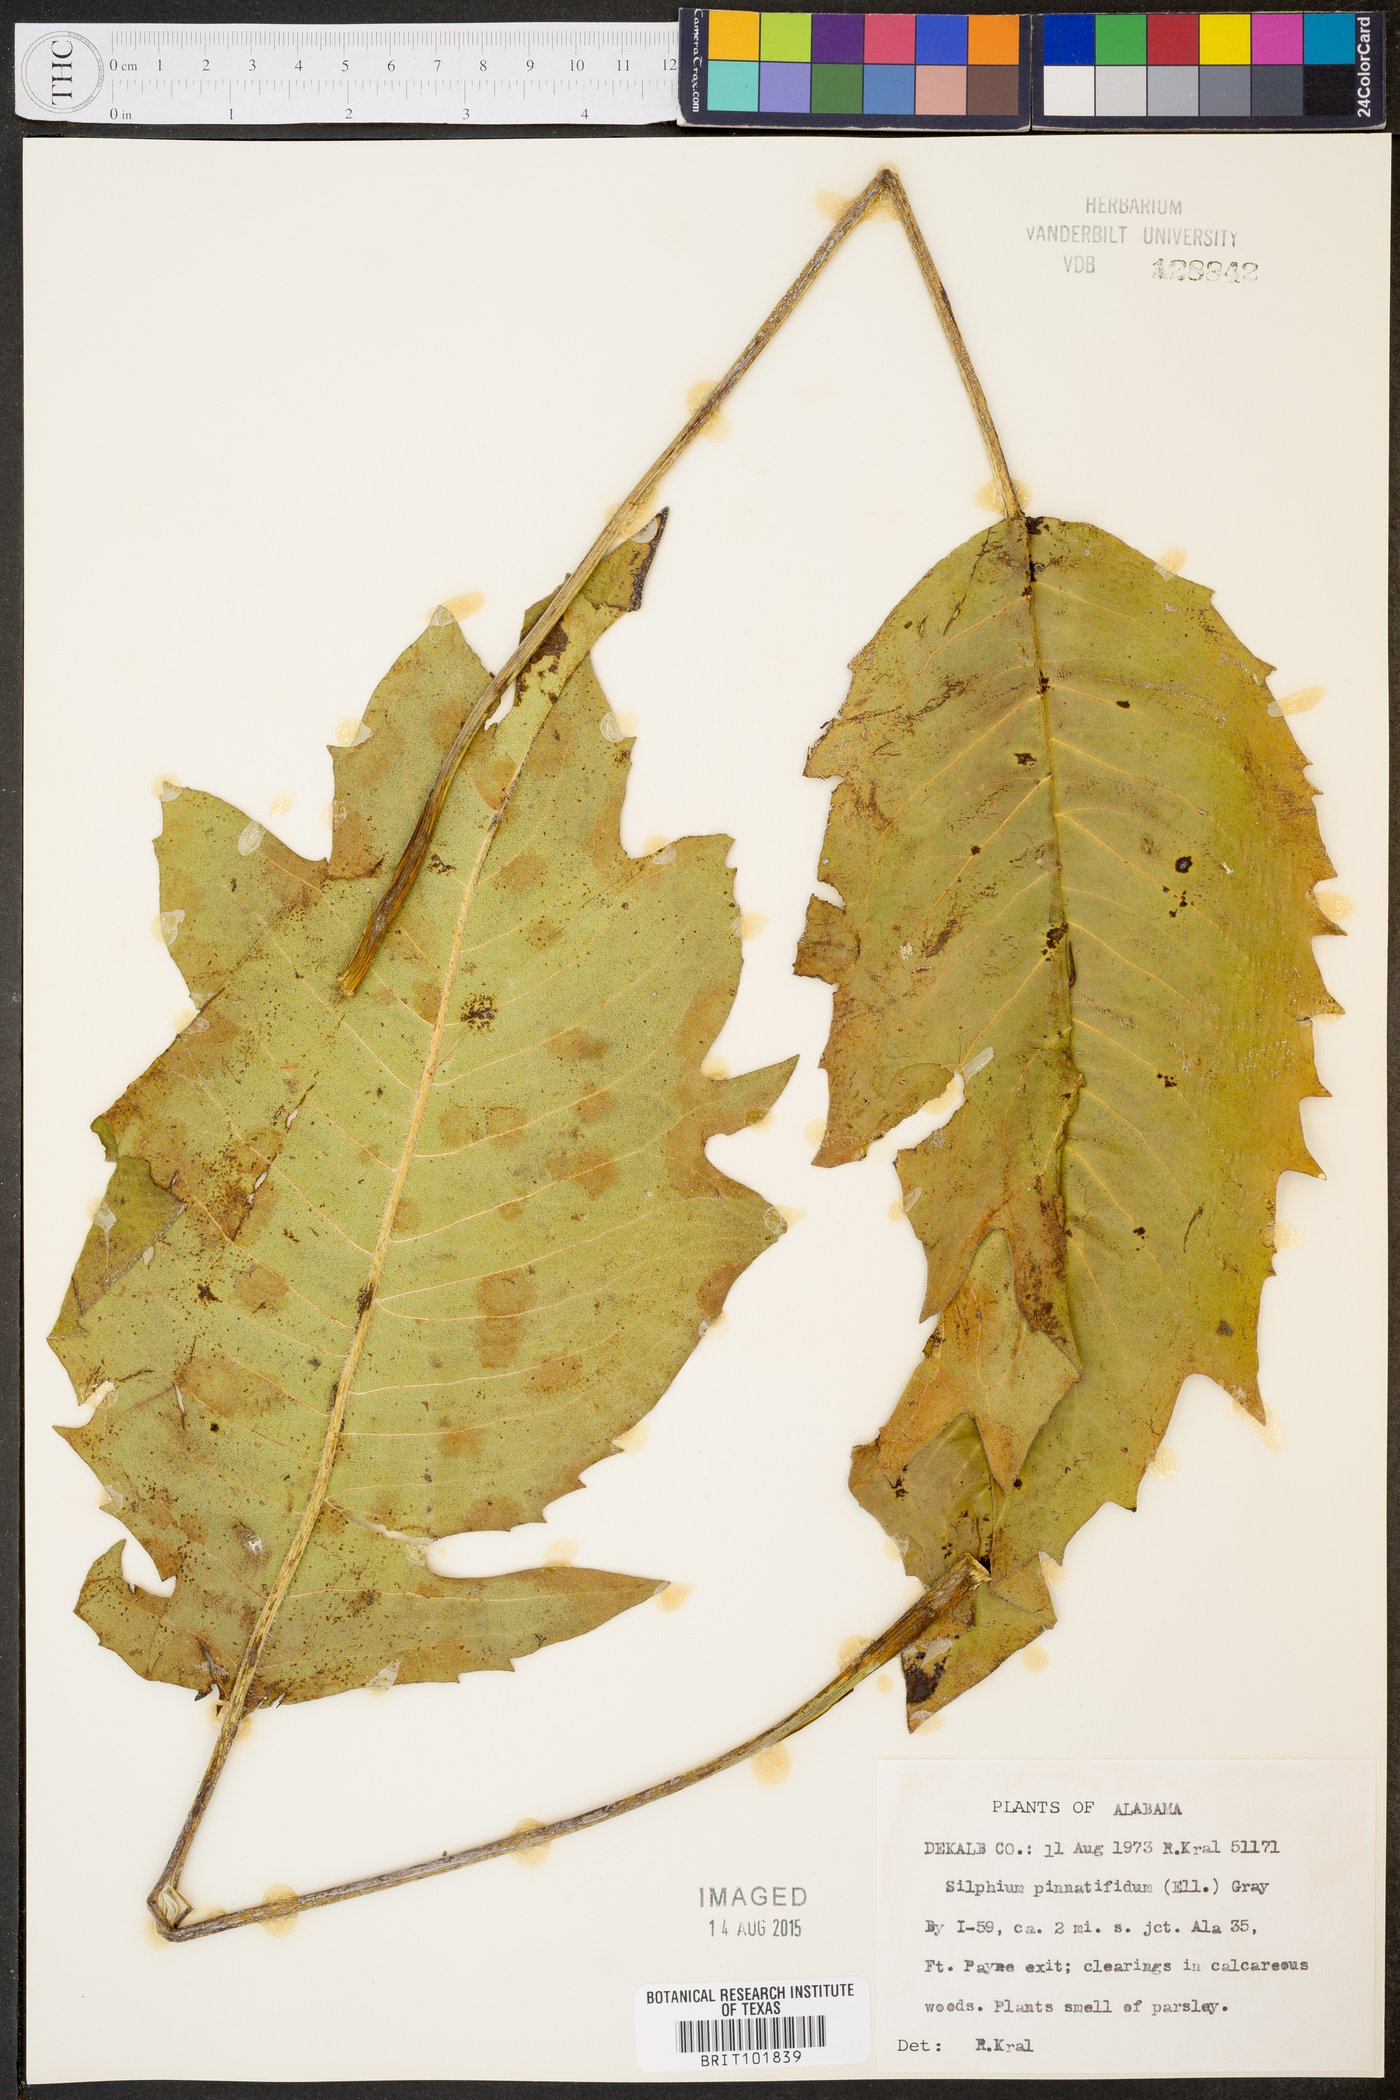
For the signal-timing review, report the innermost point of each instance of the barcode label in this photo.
(753, 2026)
(726, 2036)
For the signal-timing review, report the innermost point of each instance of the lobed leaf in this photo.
(478, 1190)
(1076, 856)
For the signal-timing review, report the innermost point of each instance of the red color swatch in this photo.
(1173, 40)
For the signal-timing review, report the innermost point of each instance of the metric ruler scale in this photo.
(493, 73)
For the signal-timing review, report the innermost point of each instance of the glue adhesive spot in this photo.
(279, 805)
(975, 1064)
(250, 838)
(815, 1131)
(715, 1067)
(464, 604)
(614, 727)
(719, 426)
(279, 1927)
(850, 1649)
(987, 497)
(884, 1683)
(1336, 904)
(1035, 1659)
(946, 1104)
(1171, 563)
(749, 924)
(1286, 1235)
(831, 204)
(1163, 1463)
(166, 787)
(1298, 703)
(772, 1766)
(562, 1553)
(1269, 1431)
(384, 1679)
(167, 927)
(531, 1855)
(632, 1439)
(673, 1596)
(351, 732)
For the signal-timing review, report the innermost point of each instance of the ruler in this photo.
(399, 73)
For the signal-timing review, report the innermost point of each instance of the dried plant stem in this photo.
(913, 1624)
(629, 514)
(1001, 473)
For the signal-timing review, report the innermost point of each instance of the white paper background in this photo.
(282, 400)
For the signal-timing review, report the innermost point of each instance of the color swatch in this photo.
(1272, 69)
(857, 71)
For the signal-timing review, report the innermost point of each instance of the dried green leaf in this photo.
(478, 1191)
(1076, 855)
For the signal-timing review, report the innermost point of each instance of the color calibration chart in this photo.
(1287, 71)
(1069, 72)
(855, 72)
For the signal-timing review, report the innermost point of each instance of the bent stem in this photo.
(886, 185)
(910, 1627)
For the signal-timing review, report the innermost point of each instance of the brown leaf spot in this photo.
(505, 1123)
(425, 998)
(576, 1043)
(459, 1127)
(603, 842)
(226, 1389)
(715, 1289)
(512, 1210)
(494, 781)
(525, 872)
(491, 1514)
(549, 750)
(540, 934)
(462, 1442)
(555, 1373)
(260, 1289)
(595, 1172)
(504, 1298)
(356, 847)
(592, 1106)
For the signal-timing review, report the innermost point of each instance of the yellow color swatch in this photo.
(1224, 40)
(734, 35)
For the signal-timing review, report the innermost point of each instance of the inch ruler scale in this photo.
(212, 74)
